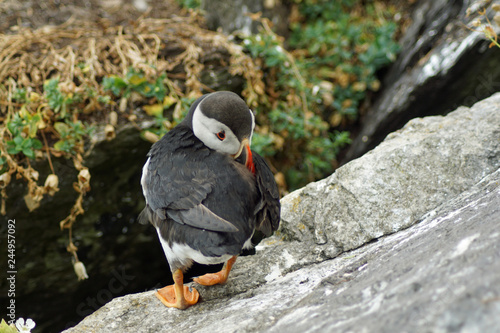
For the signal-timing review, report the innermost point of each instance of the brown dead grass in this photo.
(81, 53)
(84, 52)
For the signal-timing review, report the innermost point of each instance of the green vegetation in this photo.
(26, 125)
(315, 86)
(72, 135)
(316, 81)
(344, 44)
(23, 144)
(190, 4)
(59, 85)
(135, 81)
(311, 90)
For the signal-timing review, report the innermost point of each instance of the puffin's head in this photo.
(223, 122)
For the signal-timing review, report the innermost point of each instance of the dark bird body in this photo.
(206, 191)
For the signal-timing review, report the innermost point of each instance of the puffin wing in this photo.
(175, 187)
(268, 208)
(202, 218)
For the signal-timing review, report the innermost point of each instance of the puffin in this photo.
(207, 192)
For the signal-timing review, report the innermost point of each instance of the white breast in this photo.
(185, 255)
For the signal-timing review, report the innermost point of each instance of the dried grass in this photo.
(80, 54)
(84, 52)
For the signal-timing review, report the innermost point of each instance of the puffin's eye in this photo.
(221, 135)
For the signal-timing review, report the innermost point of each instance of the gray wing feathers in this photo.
(176, 191)
(203, 218)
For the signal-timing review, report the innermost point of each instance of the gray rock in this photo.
(443, 64)
(438, 179)
(440, 275)
(233, 15)
(414, 170)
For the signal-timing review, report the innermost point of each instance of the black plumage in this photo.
(184, 174)
(207, 200)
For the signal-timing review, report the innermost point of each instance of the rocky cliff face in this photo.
(444, 62)
(404, 238)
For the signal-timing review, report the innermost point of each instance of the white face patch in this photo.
(206, 130)
(143, 179)
(253, 126)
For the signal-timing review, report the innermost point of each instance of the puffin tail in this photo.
(143, 217)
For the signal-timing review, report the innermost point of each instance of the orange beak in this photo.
(249, 162)
(245, 144)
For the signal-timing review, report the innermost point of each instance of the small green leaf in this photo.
(12, 149)
(33, 125)
(114, 83)
(136, 80)
(62, 128)
(29, 152)
(36, 144)
(26, 143)
(53, 94)
(19, 95)
(12, 128)
(63, 145)
(103, 99)
(18, 140)
(59, 145)
(16, 125)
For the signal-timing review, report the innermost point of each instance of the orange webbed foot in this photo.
(216, 278)
(211, 278)
(169, 298)
(178, 295)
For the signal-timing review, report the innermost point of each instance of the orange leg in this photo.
(216, 278)
(178, 295)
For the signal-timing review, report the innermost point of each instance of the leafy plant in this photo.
(190, 4)
(315, 85)
(135, 81)
(72, 136)
(24, 145)
(19, 95)
(57, 100)
(23, 128)
(345, 44)
(305, 91)
(35, 118)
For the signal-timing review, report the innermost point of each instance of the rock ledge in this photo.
(430, 197)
